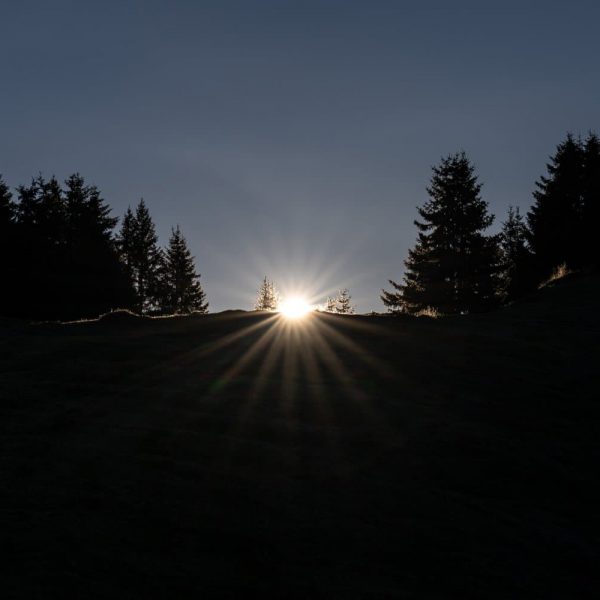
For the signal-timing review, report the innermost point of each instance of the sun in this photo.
(295, 307)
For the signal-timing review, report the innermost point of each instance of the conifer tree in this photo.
(7, 218)
(453, 265)
(516, 277)
(126, 242)
(142, 257)
(591, 200)
(267, 297)
(149, 259)
(40, 220)
(97, 282)
(555, 219)
(8, 251)
(27, 275)
(7, 207)
(342, 303)
(51, 217)
(181, 288)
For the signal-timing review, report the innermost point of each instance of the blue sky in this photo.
(293, 139)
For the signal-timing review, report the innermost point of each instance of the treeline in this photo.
(456, 268)
(61, 258)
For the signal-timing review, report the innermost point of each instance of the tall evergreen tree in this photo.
(516, 277)
(97, 282)
(7, 207)
(51, 213)
(9, 254)
(142, 257)
(555, 219)
(453, 265)
(182, 290)
(51, 260)
(40, 219)
(8, 213)
(591, 200)
(267, 297)
(29, 248)
(125, 242)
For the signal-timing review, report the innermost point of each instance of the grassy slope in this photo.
(414, 458)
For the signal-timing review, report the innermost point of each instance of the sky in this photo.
(293, 139)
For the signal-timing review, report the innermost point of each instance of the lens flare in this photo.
(295, 307)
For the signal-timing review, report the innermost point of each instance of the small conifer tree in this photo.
(342, 303)
(267, 297)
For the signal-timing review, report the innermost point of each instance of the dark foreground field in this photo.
(236, 455)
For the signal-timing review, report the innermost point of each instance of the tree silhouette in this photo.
(452, 267)
(555, 218)
(96, 280)
(126, 243)
(8, 260)
(142, 257)
(267, 297)
(591, 200)
(7, 207)
(181, 285)
(67, 262)
(516, 277)
(41, 227)
(342, 301)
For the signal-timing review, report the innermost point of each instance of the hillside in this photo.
(233, 453)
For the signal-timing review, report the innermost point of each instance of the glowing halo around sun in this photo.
(295, 307)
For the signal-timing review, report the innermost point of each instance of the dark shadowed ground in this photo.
(234, 455)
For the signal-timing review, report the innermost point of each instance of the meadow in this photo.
(238, 454)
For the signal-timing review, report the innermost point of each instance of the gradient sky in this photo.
(293, 138)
